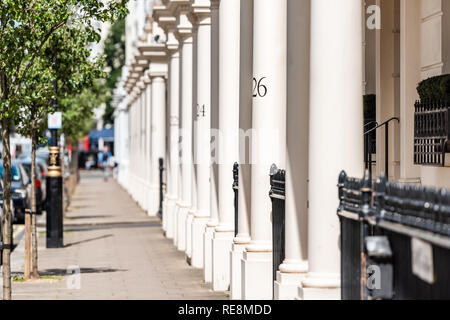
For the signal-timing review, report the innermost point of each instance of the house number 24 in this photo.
(259, 89)
(201, 112)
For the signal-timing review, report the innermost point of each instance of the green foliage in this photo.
(25, 28)
(114, 51)
(31, 34)
(435, 88)
(78, 115)
(67, 59)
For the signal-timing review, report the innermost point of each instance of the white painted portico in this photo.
(262, 82)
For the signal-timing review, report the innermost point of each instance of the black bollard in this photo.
(54, 198)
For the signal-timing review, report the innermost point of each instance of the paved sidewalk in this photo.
(121, 253)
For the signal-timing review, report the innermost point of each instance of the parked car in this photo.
(1, 219)
(20, 189)
(40, 183)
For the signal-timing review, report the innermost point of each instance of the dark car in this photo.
(40, 183)
(42, 167)
(20, 189)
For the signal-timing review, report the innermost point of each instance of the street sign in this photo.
(55, 120)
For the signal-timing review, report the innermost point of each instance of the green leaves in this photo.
(31, 33)
(435, 88)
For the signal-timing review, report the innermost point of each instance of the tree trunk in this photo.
(27, 267)
(33, 202)
(6, 218)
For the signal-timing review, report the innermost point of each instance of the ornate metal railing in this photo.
(431, 133)
(368, 138)
(162, 187)
(236, 197)
(277, 195)
(395, 240)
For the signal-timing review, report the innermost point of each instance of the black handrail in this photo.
(386, 145)
(368, 145)
(376, 123)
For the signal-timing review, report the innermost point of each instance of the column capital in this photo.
(201, 9)
(141, 84)
(184, 20)
(146, 78)
(168, 22)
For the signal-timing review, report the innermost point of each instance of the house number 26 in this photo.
(259, 89)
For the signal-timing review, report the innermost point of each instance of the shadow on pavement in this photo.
(69, 228)
(87, 240)
(88, 217)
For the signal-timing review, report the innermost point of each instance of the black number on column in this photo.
(201, 112)
(259, 89)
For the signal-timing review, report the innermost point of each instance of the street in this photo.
(120, 252)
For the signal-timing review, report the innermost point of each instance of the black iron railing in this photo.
(395, 240)
(354, 195)
(368, 138)
(236, 197)
(277, 195)
(370, 143)
(161, 187)
(431, 132)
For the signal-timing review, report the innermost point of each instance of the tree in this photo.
(74, 70)
(25, 28)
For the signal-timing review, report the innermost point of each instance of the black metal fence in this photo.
(236, 197)
(370, 130)
(277, 195)
(161, 187)
(431, 132)
(395, 240)
(351, 214)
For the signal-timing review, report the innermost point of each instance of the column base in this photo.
(189, 220)
(198, 229)
(286, 285)
(237, 254)
(169, 216)
(182, 215)
(207, 253)
(320, 287)
(289, 276)
(221, 247)
(164, 215)
(153, 201)
(257, 279)
(176, 210)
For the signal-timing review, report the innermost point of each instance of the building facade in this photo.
(211, 83)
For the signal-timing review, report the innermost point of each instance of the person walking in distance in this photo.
(106, 159)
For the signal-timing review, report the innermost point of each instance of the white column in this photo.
(185, 33)
(229, 28)
(214, 210)
(158, 137)
(193, 203)
(337, 115)
(295, 266)
(202, 129)
(174, 120)
(141, 145)
(132, 130)
(148, 136)
(245, 123)
(269, 139)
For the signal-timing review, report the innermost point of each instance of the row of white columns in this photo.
(291, 72)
